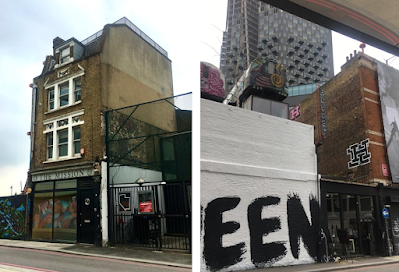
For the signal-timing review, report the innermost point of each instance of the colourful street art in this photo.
(12, 218)
(295, 112)
(65, 214)
(212, 80)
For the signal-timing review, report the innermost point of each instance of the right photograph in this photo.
(299, 154)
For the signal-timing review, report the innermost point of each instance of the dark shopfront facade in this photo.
(351, 219)
(65, 205)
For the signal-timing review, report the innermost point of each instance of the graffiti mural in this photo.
(212, 80)
(359, 154)
(217, 256)
(295, 112)
(12, 217)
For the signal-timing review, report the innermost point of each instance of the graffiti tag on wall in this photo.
(212, 80)
(217, 257)
(295, 112)
(12, 219)
(359, 154)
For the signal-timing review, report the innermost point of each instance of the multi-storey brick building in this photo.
(354, 159)
(116, 67)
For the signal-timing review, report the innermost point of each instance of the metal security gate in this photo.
(154, 215)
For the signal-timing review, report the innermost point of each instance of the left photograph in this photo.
(103, 170)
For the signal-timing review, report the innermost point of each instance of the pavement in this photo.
(354, 263)
(124, 252)
(179, 259)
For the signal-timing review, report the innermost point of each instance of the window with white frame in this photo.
(63, 143)
(65, 92)
(77, 88)
(63, 136)
(51, 99)
(76, 140)
(49, 137)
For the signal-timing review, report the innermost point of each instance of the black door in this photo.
(87, 212)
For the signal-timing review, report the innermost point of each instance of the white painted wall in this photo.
(250, 155)
(129, 175)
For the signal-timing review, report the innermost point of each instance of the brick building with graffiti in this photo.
(80, 83)
(354, 115)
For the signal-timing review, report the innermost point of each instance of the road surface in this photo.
(19, 259)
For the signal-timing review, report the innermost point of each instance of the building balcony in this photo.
(301, 68)
(270, 44)
(261, 47)
(264, 53)
(297, 60)
(274, 38)
(324, 55)
(310, 57)
(306, 76)
(300, 41)
(291, 65)
(297, 74)
(274, 51)
(324, 43)
(301, 54)
(290, 39)
(310, 45)
(290, 52)
(315, 52)
(311, 71)
(319, 60)
(306, 50)
(320, 74)
(319, 47)
(316, 65)
(297, 46)
(306, 63)
(325, 68)
(264, 40)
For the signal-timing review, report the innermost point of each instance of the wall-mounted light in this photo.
(140, 181)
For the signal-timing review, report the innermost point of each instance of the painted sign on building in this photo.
(323, 112)
(62, 174)
(359, 154)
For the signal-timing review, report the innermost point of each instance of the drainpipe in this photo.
(318, 188)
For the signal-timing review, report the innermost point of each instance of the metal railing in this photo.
(125, 21)
(167, 227)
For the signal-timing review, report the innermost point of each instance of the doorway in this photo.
(86, 215)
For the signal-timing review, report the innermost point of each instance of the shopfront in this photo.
(350, 219)
(65, 206)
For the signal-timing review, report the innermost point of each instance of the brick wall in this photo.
(92, 138)
(352, 114)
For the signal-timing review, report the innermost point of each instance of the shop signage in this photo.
(146, 200)
(62, 174)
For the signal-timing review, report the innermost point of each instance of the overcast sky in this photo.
(27, 30)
